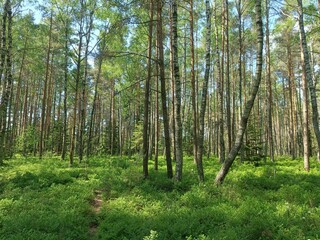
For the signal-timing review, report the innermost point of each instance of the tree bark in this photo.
(178, 124)
(308, 75)
(5, 100)
(220, 87)
(249, 104)
(45, 92)
(163, 89)
(204, 93)
(228, 93)
(65, 110)
(193, 89)
(269, 88)
(147, 97)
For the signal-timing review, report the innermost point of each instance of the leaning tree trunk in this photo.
(249, 104)
(308, 74)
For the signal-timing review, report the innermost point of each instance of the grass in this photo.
(45, 199)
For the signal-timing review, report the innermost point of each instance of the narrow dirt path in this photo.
(96, 204)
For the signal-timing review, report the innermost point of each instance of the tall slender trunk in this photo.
(292, 93)
(249, 104)
(7, 88)
(163, 89)
(45, 91)
(147, 97)
(95, 97)
(228, 93)
(65, 99)
(269, 87)
(83, 100)
(204, 92)
(193, 88)
(308, 75)
(17, 104)
(76, 94)
(172, 115)
(3, 40)
(178, 124)
(305, 111)
(220, 87)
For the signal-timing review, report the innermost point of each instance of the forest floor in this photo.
(106, 198)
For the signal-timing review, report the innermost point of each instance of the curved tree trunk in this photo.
(249, 104)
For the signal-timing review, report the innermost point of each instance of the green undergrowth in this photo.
(46, 199)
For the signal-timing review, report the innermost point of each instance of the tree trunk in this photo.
(65, 110)
(163, 89)
(76, 94)
(249, 104)
(147, 97)
(228, 93)
(178, 124)
(157, 127)
(204, 93)
(269, 88)
(45, 92)
(5, 100)
(308, 75)
(220, 88)
(193, 89)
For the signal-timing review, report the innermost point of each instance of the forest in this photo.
(150, 119)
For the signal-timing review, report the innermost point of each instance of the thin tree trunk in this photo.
(178, 124)
(95, 97)
(269, 87)
(5, 100)
(65, 110)
(172, 115)
(204, 93)
(157, 127)
(292, 94)
(249, 104)
(163, 90)
(308, 75)
(76, 97)
(220, 88)
(193, 89)
(228, 93)
(147, 97)
(3, 40)
(45, 91)
(17, 104)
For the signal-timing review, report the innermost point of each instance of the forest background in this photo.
(116, 116)
(83, 78)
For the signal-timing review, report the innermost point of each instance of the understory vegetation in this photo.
(46, 199)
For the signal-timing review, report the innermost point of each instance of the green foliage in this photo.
(27, 140)
(45, 199)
